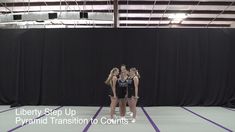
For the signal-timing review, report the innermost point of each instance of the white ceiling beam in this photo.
(57, 8)
(144, 15)
(110, 7)
(206, 22)
(15, 1)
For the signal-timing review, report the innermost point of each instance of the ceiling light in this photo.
(178, 16)
(176, 21)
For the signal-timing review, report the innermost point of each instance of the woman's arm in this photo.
(136, 83)
(114, 86)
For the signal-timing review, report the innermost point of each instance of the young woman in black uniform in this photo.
(122, 93)
(123, 69)
(112, 82)
(133, 85)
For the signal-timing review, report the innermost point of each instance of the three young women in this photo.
(123, 89)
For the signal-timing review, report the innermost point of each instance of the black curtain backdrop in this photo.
(69, 66)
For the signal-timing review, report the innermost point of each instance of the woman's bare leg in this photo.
(134, 103)
(130, 104)
(122, 106)
(113, 105)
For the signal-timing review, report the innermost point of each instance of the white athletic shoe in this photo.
(133, 120)
(131, 114)
(113, 121)
(123, 118)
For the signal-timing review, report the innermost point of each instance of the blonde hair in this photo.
(136, 72)
(111, 74)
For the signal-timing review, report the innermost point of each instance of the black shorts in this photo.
(131, 92)
(121, 92)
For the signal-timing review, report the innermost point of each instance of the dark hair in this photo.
(123, 65)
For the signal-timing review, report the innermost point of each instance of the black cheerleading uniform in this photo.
(110, 91)
(121, 88)
(131, 87)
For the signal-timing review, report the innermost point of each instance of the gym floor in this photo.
(164, 119)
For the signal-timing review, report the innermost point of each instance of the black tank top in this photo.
(122, 83)
(131, 83)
